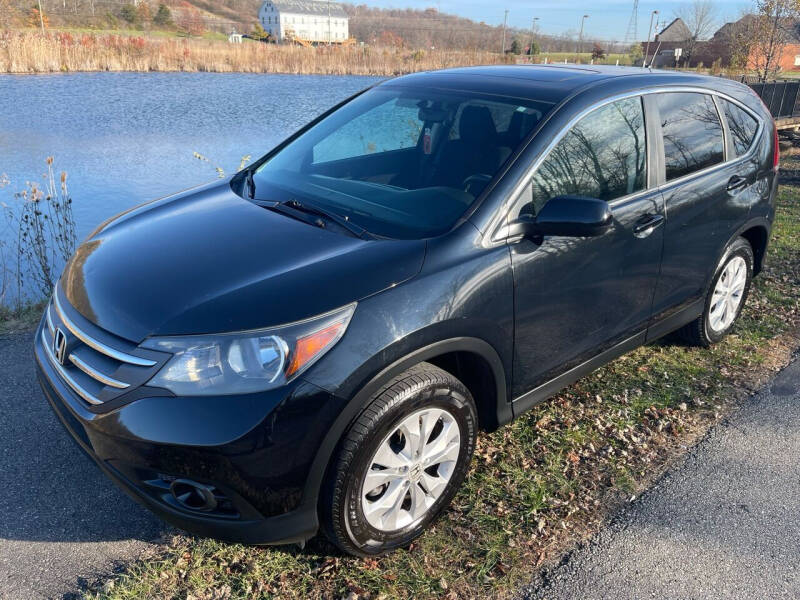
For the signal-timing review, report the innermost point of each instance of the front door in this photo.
(576, 297)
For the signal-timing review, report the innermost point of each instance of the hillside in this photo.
(422, 29)
(213, 15)
(386, 27)
(398, 28)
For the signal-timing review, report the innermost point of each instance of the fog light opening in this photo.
(193, 496)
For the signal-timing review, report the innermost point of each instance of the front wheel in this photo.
(726, 296)
(400, 464)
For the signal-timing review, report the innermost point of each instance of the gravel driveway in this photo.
(63, 523)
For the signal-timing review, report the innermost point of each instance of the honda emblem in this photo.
(60, 346)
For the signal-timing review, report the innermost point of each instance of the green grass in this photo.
(583, 57)
(128, 32)
(537, 485)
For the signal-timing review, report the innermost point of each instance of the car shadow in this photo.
(52, 491)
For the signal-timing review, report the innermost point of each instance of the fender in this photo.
(361, 399)
(749, 224)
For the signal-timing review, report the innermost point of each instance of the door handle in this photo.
(737, 182)
(647, 224)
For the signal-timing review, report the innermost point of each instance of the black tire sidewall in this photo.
(739, 248)
(363, 536)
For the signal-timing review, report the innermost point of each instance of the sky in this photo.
(607, 20)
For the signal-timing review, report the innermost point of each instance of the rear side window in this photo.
(742, 125)
(603, 157)
(693, 138)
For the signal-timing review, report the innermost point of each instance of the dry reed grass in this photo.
(29, 52)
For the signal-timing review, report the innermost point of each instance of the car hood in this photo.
(208, 261)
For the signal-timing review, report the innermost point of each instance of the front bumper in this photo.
(255, 450)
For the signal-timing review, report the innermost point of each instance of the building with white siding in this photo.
(315, 21)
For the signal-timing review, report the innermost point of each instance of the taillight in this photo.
(776, 159)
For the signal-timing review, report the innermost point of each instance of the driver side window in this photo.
(602, 156)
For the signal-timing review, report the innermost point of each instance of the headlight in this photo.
(246, 362)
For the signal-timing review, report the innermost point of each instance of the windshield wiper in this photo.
(308, 208)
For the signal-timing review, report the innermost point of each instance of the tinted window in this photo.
(692, 131)
(603, 156)
(742, 126)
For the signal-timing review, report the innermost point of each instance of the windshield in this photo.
(401, 162)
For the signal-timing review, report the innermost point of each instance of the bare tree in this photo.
(700, 18)
(772, 28)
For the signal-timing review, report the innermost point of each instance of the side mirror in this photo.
(568, 216)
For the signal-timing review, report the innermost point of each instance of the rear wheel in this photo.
(400, 463)
(726, 296)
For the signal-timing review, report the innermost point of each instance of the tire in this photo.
(708, 329)
(357, 519)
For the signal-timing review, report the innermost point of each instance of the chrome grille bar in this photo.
(97, 375)
(96, 345)
(66, 376)
(50, 320)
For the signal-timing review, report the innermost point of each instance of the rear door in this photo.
(705, 193)
(575, 297)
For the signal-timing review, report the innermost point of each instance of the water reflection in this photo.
(129, 137)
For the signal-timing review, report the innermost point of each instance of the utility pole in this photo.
(41, 16)
(580, 38)
(505, 21)
(649, 33)
(329, 22)
(533, 30)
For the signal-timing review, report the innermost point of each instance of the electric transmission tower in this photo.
(632, 35)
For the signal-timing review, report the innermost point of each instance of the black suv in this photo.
(318, 340)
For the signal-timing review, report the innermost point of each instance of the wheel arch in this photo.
(754, 231)
(467, 358)
(757, 236)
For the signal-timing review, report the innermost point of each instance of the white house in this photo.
(304, 20)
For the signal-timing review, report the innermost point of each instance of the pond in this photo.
(125, 138)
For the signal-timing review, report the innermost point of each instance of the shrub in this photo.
(45, 231)
(258, 32)
(635, 53)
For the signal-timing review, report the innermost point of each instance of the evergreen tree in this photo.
(129, 13)
(163, 16)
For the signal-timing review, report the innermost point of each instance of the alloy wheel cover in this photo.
(411, 469)
(728, 294)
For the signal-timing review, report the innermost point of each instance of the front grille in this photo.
(97, 366)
